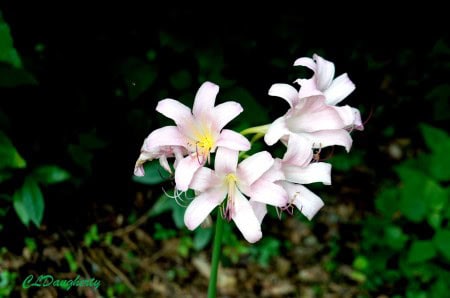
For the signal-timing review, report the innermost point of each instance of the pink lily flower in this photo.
(199, 132)
(230, 181)
(310, 118)
(294, 170)
(323, 83)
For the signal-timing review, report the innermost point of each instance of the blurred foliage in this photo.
(409, 241)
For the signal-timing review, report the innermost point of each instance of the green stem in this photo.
(257, 129)
(217, 249)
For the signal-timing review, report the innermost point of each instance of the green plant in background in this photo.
(27, 199)
(409, 241)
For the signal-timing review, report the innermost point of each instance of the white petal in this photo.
(308, 88)
(185, 171)
(164, 136)
(347, 115)
(324, 72)
(306, 201)
(226, 161)
(313, 114)
(268, 193)
(201, 207)
(164, 163)
(339, 89)
(259, 209)
(174, 110)
(253, 167)
(233, 140)
(245, 219)
(306, 61)
(275, 172)
(299, 151)
(225, 112)
(315, 172)
(286, 92)
(276, 130)
(205, 98)
(325, 138)
(204, 179)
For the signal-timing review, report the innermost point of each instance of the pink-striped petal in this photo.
(233, 140)
(286, 92)
(268, 193)
(325, 138)
(174, 110)
(315, 172)
(245, 219)
(324, 72)
(253, 167)
(164, 136)
(199, 209)
(305, 200)
(339, 89)
(226, 161)
(224, 113)
(313, 114)
(276, 131)
(205, 98)
(204, 179)
(259, 209)
(185, 171)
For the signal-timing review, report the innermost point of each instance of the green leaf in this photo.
(412, 196)
(29, 202)
(9, 157)
(344, 162)
(154, 174)
(394, 237)
(202, 237)
(178, 216)
(163, 204)
(442, 242)
(434, 137)
(387, 202)
(50, 174)
(421, 251)
(8, 53)
(13, 77)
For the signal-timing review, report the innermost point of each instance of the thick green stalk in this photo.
(217, 249)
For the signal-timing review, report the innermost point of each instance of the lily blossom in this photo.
(310, 118)
(199, 131)
(296, 169)
(323, 82)
(231, 182)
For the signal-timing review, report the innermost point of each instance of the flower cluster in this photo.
(242, 190)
